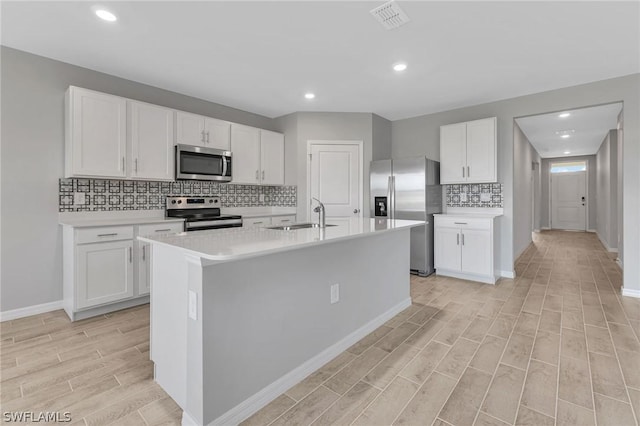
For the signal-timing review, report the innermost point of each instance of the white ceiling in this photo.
(587, 128)
(263, 56)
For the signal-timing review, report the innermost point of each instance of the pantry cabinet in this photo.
(192, 129)
(468, 152)
(95, 134)
(464, 247)
(151, 141)
(258, 156)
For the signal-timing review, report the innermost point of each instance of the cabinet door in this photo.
(96, 134)
(447, 248)
(104, 273)
(245, 151)
(151, 136)
(453, 153)
(217, 134)
(283, 220)
(256, 222)
(476, 251)
(272, 158)
(144, 268)
(481, 150)
(190, 129)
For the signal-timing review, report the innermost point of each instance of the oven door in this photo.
(195, 162)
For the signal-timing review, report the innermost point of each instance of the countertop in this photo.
(88, 222)
(238, 243)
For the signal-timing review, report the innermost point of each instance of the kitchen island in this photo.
(238, 316)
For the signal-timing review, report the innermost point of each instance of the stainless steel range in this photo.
(200, 213)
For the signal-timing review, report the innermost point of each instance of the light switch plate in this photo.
(193, 305)
(335, 293)
(485, 196)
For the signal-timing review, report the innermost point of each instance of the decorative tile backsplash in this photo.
(477, 195)
(102, 195)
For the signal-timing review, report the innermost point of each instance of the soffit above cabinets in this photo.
(264, 56)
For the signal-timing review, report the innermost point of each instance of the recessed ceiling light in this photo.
(567, 152)
(564, 115)
(309, 95)
(400, 67)
(106, 15)
(565, 136)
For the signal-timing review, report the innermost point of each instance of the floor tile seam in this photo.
(120, 400)
(489, 415)
(443, 421)
(537, 411)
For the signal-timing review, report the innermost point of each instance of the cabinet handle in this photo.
(263, 175)
(462, 171)
(143, 253)
(257, 223)
(462, 239)
(460, 223)
(163, 230)
(130, 254)
(457, 239)
(257, 174)
(136, 164)
(207, 136)
(123, 169)
(202, 139)
(468, 172)
(285, 220)
(108, 235)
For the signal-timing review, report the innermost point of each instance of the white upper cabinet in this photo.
(257, 156)
(96, 136)
(245, 151)
(272, 158)
(197, 130)
(468, 152)
(151, 139)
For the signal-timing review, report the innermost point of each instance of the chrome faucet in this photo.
(320, 210)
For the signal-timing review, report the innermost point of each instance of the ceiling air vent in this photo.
(390, 15)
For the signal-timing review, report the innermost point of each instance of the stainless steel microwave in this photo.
(198, 163)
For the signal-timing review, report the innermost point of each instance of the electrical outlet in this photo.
(463, 197)
(485, 196)
(335, 293)
(193, 305)
(79, 198)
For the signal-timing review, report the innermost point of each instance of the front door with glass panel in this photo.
(569, 196)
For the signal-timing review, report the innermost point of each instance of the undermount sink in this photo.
(297, 226)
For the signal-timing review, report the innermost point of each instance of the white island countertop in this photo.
(239, 243)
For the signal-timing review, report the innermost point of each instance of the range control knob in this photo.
(179, 201)
(173, 201)
(210, 201)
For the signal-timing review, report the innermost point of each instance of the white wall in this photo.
(607, 191)
(620, 178)
(524, 188)
(32, 105)
(420, 136)
(592, 198)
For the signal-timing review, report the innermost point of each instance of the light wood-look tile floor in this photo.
(556, 346)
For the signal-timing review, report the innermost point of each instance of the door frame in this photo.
(586, 206)
(360, 144)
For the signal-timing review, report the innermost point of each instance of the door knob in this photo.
(356, 211)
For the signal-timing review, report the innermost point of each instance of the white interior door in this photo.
(568, 201)
(336, 178)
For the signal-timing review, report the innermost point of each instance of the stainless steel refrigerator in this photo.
(409, 188)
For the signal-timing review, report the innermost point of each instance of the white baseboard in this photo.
(619, 262)
(545, 228)
(592, 230)
(606, 246)
(631, 292)
(30, 310)
(254, 403)
(508, 274)
(187, 420)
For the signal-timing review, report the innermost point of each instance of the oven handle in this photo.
(203, 223)
(224, 165)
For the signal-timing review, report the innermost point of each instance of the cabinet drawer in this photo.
(279, 220)
(463, 222)
(107, 233)
(160, 228)
(256, 222)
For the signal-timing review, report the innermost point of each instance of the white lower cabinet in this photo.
(464, 247)
(106, 269)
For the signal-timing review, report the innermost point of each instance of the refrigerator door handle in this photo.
(393, 197)
(390, 206)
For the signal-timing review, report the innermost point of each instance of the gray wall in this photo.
(592, 201)
(381, 138)
(305, 126)
(524, 188)
(32, 105)
(420, 136)
(620, 184)
(607, 190)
